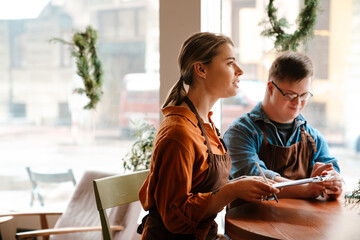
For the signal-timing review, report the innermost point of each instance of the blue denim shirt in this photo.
(244, 137)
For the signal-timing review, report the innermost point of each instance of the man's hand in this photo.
(319, 168)
(308, 190)
(332, 188)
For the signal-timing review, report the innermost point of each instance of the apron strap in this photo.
(309, 137)
(304, 136)
(262, 127)
(200, 123)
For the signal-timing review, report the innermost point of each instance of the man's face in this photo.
(283, 108)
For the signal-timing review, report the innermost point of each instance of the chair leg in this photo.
(40, 199)
(44, 225)
(32, 199)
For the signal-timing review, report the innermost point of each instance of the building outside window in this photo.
(42, 122)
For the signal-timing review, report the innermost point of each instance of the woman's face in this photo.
(222, 74)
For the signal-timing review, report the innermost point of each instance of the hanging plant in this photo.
(305, 26)
(88, 64)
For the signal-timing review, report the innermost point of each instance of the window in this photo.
(37, 81)
(19, 110)
(42, 120)
(335, 52)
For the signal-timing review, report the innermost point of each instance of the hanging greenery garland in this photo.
(88, 64)
(305, 22)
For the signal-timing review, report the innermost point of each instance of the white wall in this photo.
(178, 20)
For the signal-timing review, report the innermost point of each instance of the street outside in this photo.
(56, 148)
(53, 149)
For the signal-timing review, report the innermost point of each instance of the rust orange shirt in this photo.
(179, 163)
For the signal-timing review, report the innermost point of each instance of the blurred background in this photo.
(43, 123)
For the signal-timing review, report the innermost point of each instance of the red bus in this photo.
(139, 100)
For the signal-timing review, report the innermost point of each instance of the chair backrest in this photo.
(51, 177)
(81, 209)
(115, 191)
(37, 177)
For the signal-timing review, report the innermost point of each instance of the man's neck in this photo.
(268, 110)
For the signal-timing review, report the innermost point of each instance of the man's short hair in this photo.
(291, 66)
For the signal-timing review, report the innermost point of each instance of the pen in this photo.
(263, 175)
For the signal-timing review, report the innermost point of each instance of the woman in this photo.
(188, 181)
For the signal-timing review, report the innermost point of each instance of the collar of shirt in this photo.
(185, 112)
(258, 114)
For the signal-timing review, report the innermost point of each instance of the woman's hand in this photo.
(253, 188)
(248, 188)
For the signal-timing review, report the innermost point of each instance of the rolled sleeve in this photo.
(323, 153)
(189, 212)
(181, 211)
(244, 143)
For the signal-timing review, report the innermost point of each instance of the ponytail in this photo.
(199, 47)
(176, 94)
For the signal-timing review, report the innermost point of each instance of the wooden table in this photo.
(293, 219)
(7, 228)
(5, 219)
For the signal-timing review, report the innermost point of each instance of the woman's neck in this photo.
(202, 103)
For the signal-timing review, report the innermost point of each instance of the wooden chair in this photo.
(37, 177)
(79, 221)
(115, 191)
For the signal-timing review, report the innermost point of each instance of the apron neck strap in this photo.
(309, 137)
(262, 127)
(200, 122)
(304, 135)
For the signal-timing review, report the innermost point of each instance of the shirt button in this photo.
(219, 146)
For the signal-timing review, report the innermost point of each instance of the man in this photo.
(275, 134)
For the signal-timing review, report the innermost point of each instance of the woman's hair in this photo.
(199, 47)
(291, 66)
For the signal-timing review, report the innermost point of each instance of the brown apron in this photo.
(290, 162)
(217, 176)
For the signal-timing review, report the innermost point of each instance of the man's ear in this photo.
(270, 88)
(199, 70)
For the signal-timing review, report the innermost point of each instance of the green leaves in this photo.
(140, 155)
(89, 66)
(354, 197)
(305, 22)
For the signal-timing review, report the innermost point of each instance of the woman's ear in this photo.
(199, 70)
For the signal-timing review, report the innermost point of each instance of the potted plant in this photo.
(353, 198)
(140, 154)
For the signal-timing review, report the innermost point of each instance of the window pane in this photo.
(335, 50)
(42, 120)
